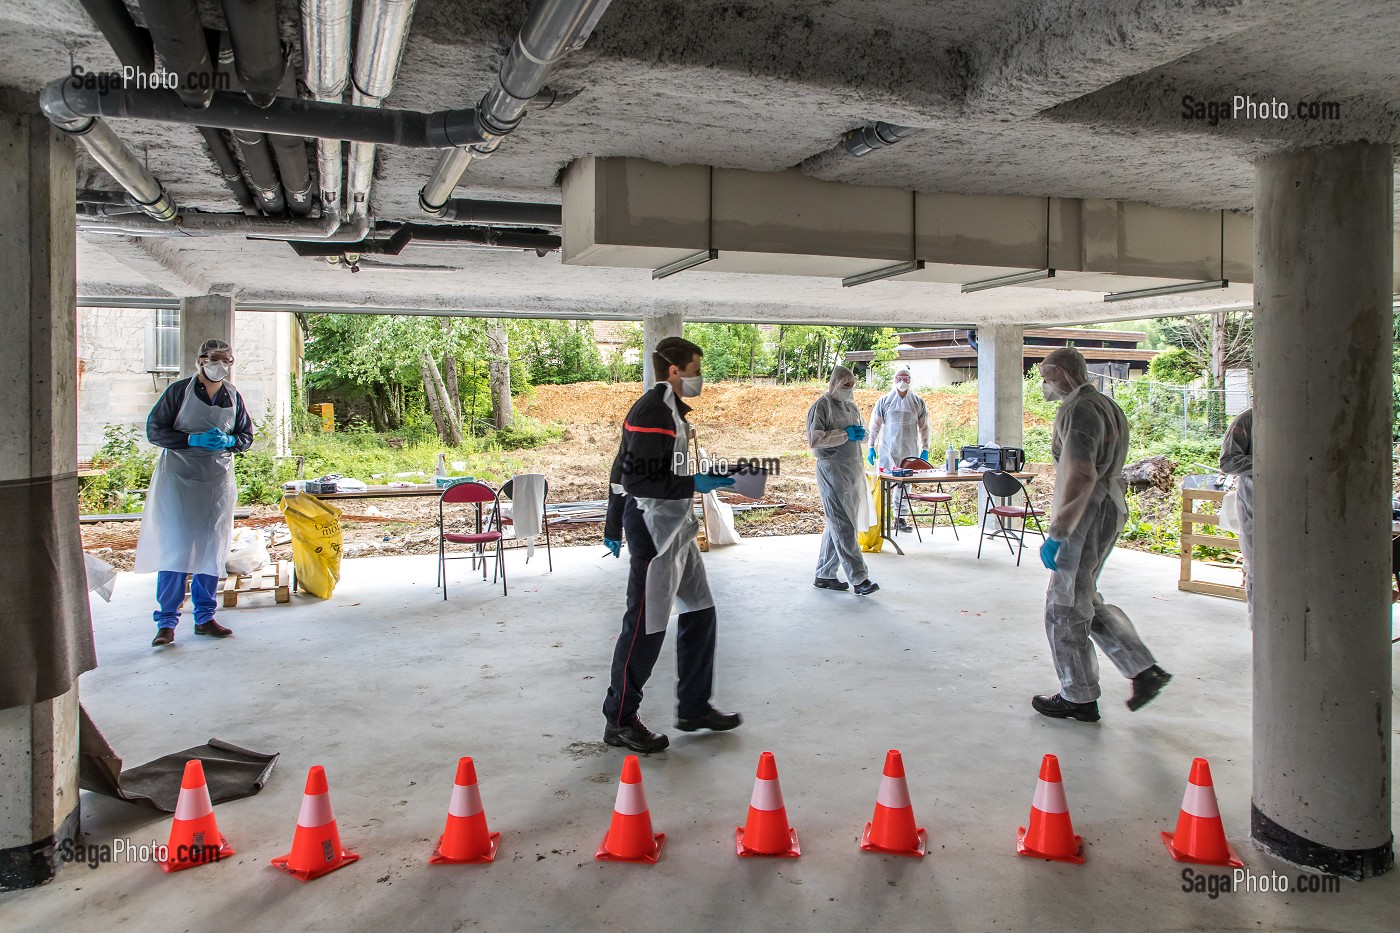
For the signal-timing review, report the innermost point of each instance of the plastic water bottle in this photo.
(441, 471)
(950, 463)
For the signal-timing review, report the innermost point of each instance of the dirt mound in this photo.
(732, 404)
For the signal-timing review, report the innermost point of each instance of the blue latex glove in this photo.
(615, 547)
(855, 432)
(704, 482)
(1048, 550)
(870, 457)
(923, 454)
(229, 440)
(208, 440)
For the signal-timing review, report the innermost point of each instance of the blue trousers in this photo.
(170, 594)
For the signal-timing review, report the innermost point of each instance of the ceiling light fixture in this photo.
(1167, 290)
(689, 262)
(1020, 278)
(875, 275)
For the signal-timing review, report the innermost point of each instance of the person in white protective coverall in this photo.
(834, 433)
(199, 423)
(1089, 443)
(1237, 459)
(652, 502)
(898, 429)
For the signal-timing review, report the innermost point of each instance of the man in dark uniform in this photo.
(651, 500)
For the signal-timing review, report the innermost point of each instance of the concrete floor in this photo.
(386, 685)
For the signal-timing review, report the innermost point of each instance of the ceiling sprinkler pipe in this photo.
(866, 139)
(384, 26)
(325, 48)
(194, 223)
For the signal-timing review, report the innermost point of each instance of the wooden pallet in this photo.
(1191, 517)
(275, 578)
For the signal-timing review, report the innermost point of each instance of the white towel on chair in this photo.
(527, 513)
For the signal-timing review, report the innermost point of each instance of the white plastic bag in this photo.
(247, 553)
(719, 521)
(101, 576)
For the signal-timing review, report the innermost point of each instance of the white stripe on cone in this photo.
(894, 793)
(1200, 801)
(767, 795)
(1050, 798)
(315, 811)
(631, 799)
(193, 803)
(466, 801)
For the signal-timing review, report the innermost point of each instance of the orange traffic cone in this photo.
(316, 848)
(466, 839)
(892, 830)
(767, 832)
(194, 837)
(629, 838)
(1050, 835)
(1200, 834)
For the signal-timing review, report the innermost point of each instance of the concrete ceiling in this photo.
(1060, 98)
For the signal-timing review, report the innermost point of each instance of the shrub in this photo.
(128, 472)
(1178, 366)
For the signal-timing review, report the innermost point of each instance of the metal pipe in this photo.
(257, 48)
(179, 39)
(131, 43)
(424, 235)
(222, 155)
(864, 140)
(325, 50)
(384, 26)
(328, 227)
(286, 116)
(553, 29)
(518, 213)
(257, 159)
(294, 170)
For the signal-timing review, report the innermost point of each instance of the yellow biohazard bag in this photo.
(869, 538)
(316, 541)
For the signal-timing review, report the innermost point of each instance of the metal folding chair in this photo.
(477, 494)
(933, 498)
(1006, 487)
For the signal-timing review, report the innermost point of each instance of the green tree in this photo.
(556, 352)
(1178, 366)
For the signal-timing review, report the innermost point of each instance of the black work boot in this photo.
(633, 733)
(1057, 707)
(830, 583)
(1146, 686)
(866, 587)
(713, 720)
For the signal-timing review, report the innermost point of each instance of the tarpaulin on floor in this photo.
(230, 771)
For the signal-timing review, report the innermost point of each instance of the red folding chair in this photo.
(935, 499)
(486, 530)
(1006, 487)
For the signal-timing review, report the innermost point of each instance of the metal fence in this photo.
(1163, 411)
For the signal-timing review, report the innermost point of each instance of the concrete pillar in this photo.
(201, 318)
(44, 623)
(1322, 467)
(655, 329)
(1000, 408)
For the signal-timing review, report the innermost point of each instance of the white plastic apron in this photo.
(899, 435)
(188, 520)
(677, 572)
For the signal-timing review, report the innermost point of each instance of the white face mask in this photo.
(844, 393)
(1051, 393)
(901, 387)
(215, 371)
(691, 386)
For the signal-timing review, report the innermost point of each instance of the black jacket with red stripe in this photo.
(644, 465)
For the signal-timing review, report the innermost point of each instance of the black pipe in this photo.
(503, 212)
(294, 170)
(257, 48)
(257, 159)
(404, 234)
(445, 129)
(866, 139)
(222, 155)
(131, 43)
(94, 209)
(179, 38)
(94, 196)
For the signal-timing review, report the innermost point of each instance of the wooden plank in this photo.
(1231, 544)
(1201, 517)
(284, 582)
(1205, 495)
(1212, 589)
